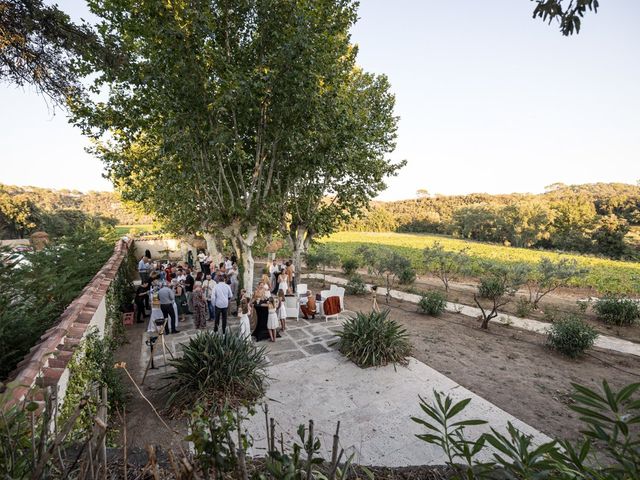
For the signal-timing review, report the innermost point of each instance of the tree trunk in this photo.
(299, 242)
(212, 247)
(244, 243)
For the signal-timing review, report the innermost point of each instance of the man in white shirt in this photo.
(220, 296)
(143, 269)
(207, 289)
(227, 263)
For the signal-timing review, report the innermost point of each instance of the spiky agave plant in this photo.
(373, 339)
(217, 370)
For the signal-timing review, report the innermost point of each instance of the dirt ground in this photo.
(143, 427)
(562, 300)
(509, 367)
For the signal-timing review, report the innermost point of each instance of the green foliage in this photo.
(91, 367)
(373, 339)
(610, 419)
(617, 311)
(446, 265)
(602, 275)
(387, 264)
(34, 293)
(211, 434)
(356, 285)
(523, 307)
(567, 14)
(16, 433)
(216, 370)
(350, 265)
(498, 284)
(591, 218)
(548, 275)
(571, 336)
(321, 257)
(432, 303)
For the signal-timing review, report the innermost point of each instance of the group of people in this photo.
(175, 290)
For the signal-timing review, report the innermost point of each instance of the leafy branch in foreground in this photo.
(611, 420)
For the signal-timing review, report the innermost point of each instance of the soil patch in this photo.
(509, 367)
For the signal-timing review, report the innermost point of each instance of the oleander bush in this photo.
(432, 303)
(373, 339)
(617, 311)
(571, 336)
(356, 285)
(350, 265)
(216, 370)
(610, 421)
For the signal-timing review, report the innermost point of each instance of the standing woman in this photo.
(181, 299)
(282, 310)
(272, 319)
(282, 282)
(199, 307)
(291, 276)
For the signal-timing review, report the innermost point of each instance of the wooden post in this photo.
(334, 452)
(310, 450)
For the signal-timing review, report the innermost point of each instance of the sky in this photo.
(489, 100)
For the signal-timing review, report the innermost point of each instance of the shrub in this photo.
(571, 336)
(356, 285)
(523, 307)
(617, 311)
(373, 339)
(217, 369)
(407, 276)
(350, 265)
(432, 303)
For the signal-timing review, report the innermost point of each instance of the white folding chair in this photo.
(292, 306)
(301, 289)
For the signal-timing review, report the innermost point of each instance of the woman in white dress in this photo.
(272, 319)
(282, 310)
(282, 283)
(245, 327)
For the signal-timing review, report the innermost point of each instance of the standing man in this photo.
(189, 282)
(143, 269)
(220, 297)
(142, 297)
(166, 298)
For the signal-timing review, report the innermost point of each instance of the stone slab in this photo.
(374, 407)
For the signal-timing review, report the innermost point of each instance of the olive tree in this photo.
(498, 285)
(447, 265)
(549, 275)
(388, 265)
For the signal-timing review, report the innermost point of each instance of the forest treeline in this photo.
(589, 218)
(24, 210)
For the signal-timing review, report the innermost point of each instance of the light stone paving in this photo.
(302, 339)
(603, 341)
(374, 407)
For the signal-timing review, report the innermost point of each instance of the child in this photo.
(272, 319)
(245, 328)
(282, 310)
(374, 298)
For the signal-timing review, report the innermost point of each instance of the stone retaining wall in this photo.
(46, 364)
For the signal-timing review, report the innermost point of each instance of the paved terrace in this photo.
(310, 380)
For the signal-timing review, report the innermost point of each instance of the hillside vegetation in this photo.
(592, 218)
(604, 275)
(24, 210)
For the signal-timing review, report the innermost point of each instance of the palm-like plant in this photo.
(217, 369)
(373, 339)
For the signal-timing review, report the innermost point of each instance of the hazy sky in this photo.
(489, 100)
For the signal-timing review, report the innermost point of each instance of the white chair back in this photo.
(333, 289)
(291, 305)
(324, 294)
(301, 289)
(340, 293)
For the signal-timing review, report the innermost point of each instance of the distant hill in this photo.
(594, 218)
(25, 209)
